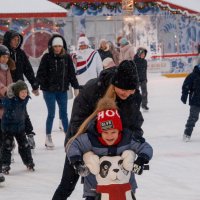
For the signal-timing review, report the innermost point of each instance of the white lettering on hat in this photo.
(108, 113)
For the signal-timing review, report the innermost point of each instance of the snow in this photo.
(174, 169)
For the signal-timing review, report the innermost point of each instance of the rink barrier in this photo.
(178, 75)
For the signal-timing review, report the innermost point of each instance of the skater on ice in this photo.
(55, 73)
(119, 83)
(13, 125)
(105, 136)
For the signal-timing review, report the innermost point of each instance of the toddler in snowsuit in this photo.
(105, 136)
(13, 125)
(191, 86)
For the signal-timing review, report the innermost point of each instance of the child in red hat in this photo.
(105, 136)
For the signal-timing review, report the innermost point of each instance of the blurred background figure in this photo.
(108, 62)
(141, 64)
(114, 52)
(104, 50)
(87, 62)
(126, 50)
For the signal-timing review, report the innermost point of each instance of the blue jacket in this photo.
(89, 142)
(13, 119)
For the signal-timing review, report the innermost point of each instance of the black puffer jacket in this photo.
(85, 103)
(23, 66)
(13, 119)
(56, 71)
(141, 64)
(191, 86)
(104, 54)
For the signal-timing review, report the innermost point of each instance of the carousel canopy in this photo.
(192, 6)
(31, 8)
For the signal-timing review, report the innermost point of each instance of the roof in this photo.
(192, 6)
(31, 8)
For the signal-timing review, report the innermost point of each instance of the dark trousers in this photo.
(143, 86)
(68, 182)
(23, 148)
(192, 119)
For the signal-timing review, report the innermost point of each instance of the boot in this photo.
(5, 169)
(145, 107)
(2, 178)
(31, 166)
(186, 138)
(49, 142)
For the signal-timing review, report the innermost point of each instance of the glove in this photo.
(81, 168)
(139, 165)
(76, 92)
(31, 141)
(184, 98)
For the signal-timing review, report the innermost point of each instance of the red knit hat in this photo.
(108, 119)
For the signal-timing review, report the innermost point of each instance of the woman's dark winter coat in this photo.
(85, 103)
(13, 119)
(104, 54)
(191, 86)
(141, 65)
(56, 72)
(23, 66)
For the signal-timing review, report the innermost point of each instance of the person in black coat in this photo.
(119, 83)
(55, 73)
(141, 64)
(103, 50)
(13, 40)
(13, 124)
(191, 87)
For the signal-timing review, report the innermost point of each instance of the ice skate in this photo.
(49, 143)
(145, 108)
(186, 138)
(6, 169)
(2, 178)
(31, 166)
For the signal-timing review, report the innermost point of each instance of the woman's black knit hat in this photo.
(126, 76)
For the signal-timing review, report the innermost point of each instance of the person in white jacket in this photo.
(87, 61)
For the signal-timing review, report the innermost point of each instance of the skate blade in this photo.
(31, 169)
(49, 148)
